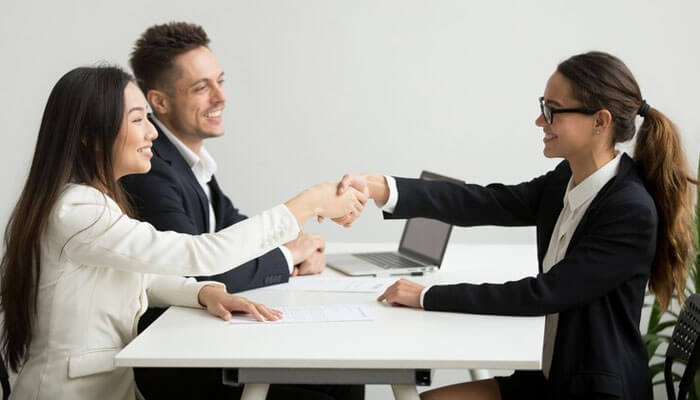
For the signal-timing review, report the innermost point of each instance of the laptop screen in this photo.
(427, 238)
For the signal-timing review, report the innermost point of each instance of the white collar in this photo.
(590, 186)
(192, 159)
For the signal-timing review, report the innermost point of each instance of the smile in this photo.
(214, 114)
(549, 137)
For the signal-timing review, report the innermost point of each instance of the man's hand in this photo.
(403, 293)
(304, 246)
(312, 265)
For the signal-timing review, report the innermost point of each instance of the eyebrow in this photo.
(136, 109)
(552, 102)
(198, 81)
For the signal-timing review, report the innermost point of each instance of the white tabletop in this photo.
(398, 338)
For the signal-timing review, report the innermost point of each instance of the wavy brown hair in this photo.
(81, 122)
(601, 81)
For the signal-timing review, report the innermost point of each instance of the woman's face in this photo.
(132, 149)
(570, 134)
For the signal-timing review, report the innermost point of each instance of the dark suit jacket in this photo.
(597, 289)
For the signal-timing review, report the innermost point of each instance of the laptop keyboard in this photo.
(388, 260)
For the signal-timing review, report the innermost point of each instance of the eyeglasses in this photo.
(548, 112)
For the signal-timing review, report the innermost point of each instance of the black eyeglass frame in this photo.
(548, 112)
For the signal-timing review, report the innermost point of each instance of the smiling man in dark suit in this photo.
(183, 83)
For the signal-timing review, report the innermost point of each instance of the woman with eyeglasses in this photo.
(78, 272)
(606, 223)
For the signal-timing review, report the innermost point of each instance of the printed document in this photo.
(303, 314)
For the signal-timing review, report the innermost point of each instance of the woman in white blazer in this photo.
(78, 271)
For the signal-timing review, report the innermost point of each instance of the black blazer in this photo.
(597, 289)
(170, 198)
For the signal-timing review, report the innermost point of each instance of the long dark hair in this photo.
(601, 81)
(81, 121)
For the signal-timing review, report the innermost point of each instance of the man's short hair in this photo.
(152, 58)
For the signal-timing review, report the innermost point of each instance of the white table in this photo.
(400, 347)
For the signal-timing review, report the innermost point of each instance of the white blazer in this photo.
(99, 271)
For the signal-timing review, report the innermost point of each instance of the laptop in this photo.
(421, 249)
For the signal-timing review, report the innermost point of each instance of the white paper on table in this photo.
(316, 284)
(303, 314)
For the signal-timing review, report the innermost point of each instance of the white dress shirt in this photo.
(204, 167)
(576, 201)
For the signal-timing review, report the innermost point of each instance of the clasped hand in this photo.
(350, 184)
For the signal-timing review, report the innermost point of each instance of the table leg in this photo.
(479, 374)
(255, 391)
(405, 392)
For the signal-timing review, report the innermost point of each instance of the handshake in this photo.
(341, 201)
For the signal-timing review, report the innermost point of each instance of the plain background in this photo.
(320, 88)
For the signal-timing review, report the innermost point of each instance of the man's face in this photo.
(197, 98)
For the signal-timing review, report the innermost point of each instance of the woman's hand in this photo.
(220, 303)
(323, 200)
(403, 293)
(332, 204)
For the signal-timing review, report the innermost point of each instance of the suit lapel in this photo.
(550, 208)
(169, 153)
(625, 168)
(216, 202)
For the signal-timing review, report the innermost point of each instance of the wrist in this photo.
(378, 188)
(304, 205)
(205, 294)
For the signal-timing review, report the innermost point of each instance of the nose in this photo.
(540, 121)
(219, 95)
(151, 131)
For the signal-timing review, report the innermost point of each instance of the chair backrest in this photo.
(4, 379)
(684, 347)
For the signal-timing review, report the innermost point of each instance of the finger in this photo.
(319, 219)
(222, 312)
(253, 311)
(344, 183)
(266, 312)
(384, 295)
(362, 197)
(295, 271)
(320, 243)
(358, 208)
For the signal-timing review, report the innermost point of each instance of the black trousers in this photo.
(206, 383)
(533, 385)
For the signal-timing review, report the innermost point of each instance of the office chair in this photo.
(4, 380)
(684, 348)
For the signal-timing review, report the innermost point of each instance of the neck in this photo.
(582, 167)
(192, 142)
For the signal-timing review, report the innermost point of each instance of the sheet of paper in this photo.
(303, 314)
(318, 284)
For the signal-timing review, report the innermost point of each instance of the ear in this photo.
(159, 101)
(602, 121)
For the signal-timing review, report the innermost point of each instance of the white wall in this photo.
(319, 88)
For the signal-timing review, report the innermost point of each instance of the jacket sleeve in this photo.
(93, 230)
(469, 204)
(164, 290)
(616, 246)
(159, 200)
